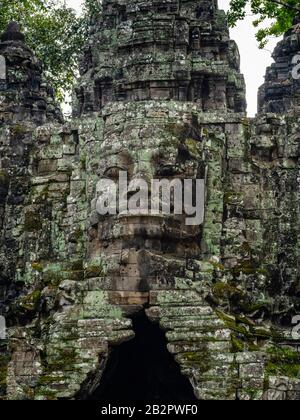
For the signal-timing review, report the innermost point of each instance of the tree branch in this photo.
(287, 6)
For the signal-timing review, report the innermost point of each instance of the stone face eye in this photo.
(113, 173)
(167, 170)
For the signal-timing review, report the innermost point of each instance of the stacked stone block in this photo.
(160, 95)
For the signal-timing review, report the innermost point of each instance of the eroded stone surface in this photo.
(281, 90)
(161, 50)
(160, 95)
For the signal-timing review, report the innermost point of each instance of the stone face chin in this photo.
(160, 96)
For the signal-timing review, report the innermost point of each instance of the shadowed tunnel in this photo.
(143, 369)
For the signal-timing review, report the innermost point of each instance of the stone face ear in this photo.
(13, 33)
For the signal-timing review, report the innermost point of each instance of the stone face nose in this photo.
(13, 33)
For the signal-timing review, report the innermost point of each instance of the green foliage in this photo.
(277, 14)
(283, 361)
(54, 32)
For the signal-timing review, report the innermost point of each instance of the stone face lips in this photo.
(167, 50)
(158, 97)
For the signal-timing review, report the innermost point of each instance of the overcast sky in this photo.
(253, 60)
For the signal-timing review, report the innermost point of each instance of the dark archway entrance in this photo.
(143, 369)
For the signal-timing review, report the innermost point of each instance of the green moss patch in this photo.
(283, 362)
(4, 360)
(30, 302)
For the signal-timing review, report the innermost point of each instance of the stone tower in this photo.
(24, 94)
(281, 90)
(165, 51)
(26, 102)
(160, 96)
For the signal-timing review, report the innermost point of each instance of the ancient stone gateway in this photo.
(160, 95)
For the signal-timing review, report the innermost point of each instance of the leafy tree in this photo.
(280, 12)
(55, 33)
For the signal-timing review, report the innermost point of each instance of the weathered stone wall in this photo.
(225, 292)
(25, 103)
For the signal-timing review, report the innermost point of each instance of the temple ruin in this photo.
(161, 95)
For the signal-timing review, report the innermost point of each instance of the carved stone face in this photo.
(147, 251)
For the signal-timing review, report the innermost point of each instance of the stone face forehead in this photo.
(154, 129)
(133, 138)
